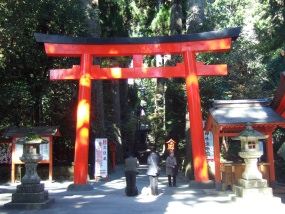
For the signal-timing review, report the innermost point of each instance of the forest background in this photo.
(29, 98)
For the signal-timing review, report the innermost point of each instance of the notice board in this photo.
(209, 145)
(101, 157)
(44, 150)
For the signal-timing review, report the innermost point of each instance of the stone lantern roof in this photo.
(31, 138)
(249, 133)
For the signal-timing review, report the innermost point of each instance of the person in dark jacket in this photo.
(171, 168)
(131, 171)
(153, 171)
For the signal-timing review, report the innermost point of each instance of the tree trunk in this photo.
(92, 8)
(195, 16)
(176, 19)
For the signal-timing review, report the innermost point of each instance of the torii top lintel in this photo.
(213, 41)
(122, 46)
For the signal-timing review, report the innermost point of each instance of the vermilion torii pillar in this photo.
(137, 48)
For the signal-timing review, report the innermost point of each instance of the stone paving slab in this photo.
(108, 197)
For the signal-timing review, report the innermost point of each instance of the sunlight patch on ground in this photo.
(182, 197)
(147, 199)
(216, 199)
(5, 198)
(83, 196)
(73, 196)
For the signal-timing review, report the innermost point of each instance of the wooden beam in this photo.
(98, 73)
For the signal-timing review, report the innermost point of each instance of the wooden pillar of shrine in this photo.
(270, 159)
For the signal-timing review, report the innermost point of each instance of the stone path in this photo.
(108, 197)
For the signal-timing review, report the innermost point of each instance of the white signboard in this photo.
(209, 145)
(44, 150)
(101, 157)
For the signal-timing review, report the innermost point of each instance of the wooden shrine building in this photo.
(46, 150)
(227, 118)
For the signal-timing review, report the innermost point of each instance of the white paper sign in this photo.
(101, 157)
(209, 145)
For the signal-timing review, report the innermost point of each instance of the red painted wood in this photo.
(194, 108)
(82, 125)
(76, 50)
(281, 107)
(137, 72)
(217, 157)
(270, 156)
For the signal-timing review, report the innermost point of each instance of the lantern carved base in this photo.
(31, 175)
(251, 170)
(254, 191)
(30, 196)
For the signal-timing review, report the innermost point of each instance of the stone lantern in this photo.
(251, 188)
(250, 151)
(31, 156)
(30, 194)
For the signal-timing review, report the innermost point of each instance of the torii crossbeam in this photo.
(137, 48)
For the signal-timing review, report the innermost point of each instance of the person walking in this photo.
(131, 171)
(153, 171)
(171, 169)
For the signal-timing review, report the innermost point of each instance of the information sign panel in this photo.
(209, 145)
(101, 157)
(44, 150)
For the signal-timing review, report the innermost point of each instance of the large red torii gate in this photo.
(187, 45)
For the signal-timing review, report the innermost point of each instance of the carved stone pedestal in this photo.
(30, 196)
(254, 192)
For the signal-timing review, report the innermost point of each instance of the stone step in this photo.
(253, 192)
(257, 201)
(30, 197)
(260, 183)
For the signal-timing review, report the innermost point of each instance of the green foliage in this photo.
(270, 26)
(161, 22)
(274, 67)
(142, 13)
(129, 129)
(175, 104)
(114, 18)
(25, 66)
(149, 18)
(232, 153)
(28, 97)
(247, 75)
